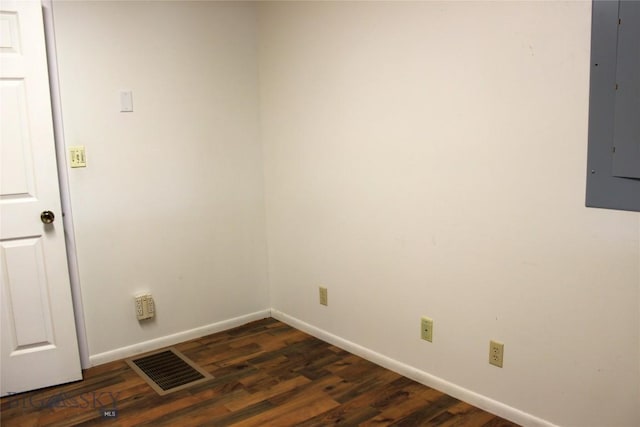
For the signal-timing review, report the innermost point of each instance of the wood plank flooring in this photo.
(266, 374)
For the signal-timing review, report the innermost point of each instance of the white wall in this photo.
(172, 198)
(429, 159)
(421, 159)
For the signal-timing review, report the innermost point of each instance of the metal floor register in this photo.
(168, 370)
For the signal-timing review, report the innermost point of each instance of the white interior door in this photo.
(39, 342)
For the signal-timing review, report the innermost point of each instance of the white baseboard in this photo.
(422, 377)
(168, 340)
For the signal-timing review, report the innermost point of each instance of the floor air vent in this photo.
(168, 370)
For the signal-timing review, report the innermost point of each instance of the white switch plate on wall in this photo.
(126, 101)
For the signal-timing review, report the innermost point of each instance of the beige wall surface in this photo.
(416, 158)
(428, 158)
(172, 199)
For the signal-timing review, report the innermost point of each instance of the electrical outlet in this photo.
(78, 157)
(426, 329)
(151, 306)
(139, 311)
(496, 353)
(145, 307)
(324, 296)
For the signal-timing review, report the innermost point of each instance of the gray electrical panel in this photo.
(613, 169)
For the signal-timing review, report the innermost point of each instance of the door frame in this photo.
(63, 179)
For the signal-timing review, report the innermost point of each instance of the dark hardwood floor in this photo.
(266, 374)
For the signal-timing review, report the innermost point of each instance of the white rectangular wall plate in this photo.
(126, 101)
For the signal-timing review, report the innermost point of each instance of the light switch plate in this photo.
(78, 157)
(126, 101)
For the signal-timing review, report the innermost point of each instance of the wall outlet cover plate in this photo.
(496, 353)
(426, 328)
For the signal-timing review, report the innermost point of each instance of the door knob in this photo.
(47, 217)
